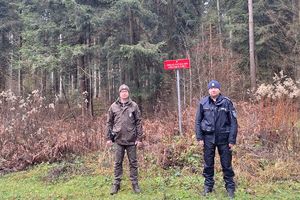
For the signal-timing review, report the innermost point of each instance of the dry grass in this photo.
(268, 141)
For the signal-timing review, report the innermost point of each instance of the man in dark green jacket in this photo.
(124, 128)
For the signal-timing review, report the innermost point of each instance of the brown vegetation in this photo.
(268, 141)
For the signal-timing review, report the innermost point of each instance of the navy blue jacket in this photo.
(216, 121)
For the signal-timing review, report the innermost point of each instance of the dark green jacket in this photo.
(125, 120)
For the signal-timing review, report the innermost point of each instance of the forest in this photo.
(62, 62)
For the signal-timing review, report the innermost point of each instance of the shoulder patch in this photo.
(227, 98)
(229, 101)
(204, 100)
(234, 114)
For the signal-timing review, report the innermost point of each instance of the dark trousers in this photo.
(209, 161)
(133, 164)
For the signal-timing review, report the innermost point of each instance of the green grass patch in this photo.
(82, 180)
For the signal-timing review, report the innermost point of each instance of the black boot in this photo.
(136, 188)
(230, 193)
(206, 190)
(115, 189)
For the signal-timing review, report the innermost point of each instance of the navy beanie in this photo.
(214, 84)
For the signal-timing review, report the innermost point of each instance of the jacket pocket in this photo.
(131, 134)
(207, 127)
(225, 129)
(117, 128)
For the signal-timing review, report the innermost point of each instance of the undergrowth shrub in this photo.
(31, 132)
(268, 136)
(269, 132)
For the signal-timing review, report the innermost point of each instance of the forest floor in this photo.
(85, 178)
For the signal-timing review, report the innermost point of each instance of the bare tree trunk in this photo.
(10, 67)
(69, 87)
(113, 82)
(10, 73)
(52, 82)
(296, 51)
(43, 81)
(220, 33)
(298, 10)
(130, 18)
(219, 18)
(20, 82)
(60, 86)
(211, 73)
(251, 46)
(41, 76)
(95, 77)
(298, 45)
(202, 67)
(91, 101)
(230, 38)
(108, 80)
(98, 67)
(198, 65)
(20, 71)
(83, 90)
(99, 89)
(184, 87)
(60, 74)
(82, 87)
(120, 73)
(55, 82)
(72, 84)
(190, 79)
(89, 70)
(95, 73)
(78, 76)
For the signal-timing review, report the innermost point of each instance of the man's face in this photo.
(214, 92)
(124, 94)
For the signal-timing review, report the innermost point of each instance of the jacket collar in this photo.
(218, 100)
(118, 101)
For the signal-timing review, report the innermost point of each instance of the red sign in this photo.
(177, 64)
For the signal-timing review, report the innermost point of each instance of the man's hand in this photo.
(231, 147)
(109, 143)
(200, 143)
(138, 143)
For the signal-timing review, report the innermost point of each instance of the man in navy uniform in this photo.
(216, 127)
